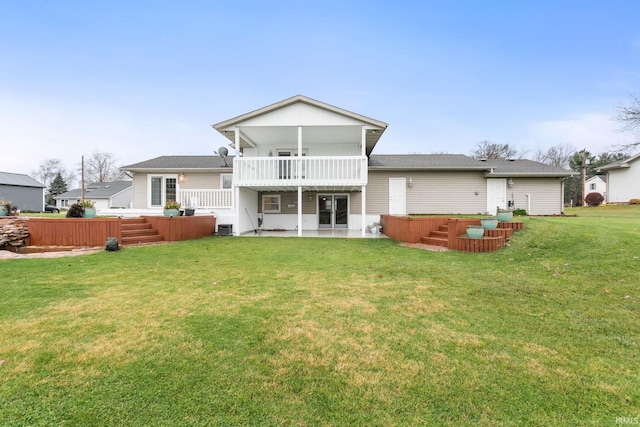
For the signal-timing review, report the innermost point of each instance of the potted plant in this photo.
(504, 215)
(5, 207)
(475, 231)
(489, 223)
(171, 208)
(89, 208)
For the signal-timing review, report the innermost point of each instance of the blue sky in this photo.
(142, 79)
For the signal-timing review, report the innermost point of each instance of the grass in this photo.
(297, 331)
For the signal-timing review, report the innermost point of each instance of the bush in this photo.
(594, 199)
(75, 211)
(634, 202)
(520, 212)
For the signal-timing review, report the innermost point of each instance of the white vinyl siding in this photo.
(623, 183)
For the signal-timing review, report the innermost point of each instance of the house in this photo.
(24, 192)
(596, 184)
(105, 195)
(622, 179)
(301, 164)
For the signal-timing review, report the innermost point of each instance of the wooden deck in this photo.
(447, 232)
(128, 231)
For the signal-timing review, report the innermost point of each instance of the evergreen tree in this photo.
(58, 186)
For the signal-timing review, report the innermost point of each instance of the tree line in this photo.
(98, 167)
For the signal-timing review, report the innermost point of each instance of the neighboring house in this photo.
(623, 178)
(24, 192)
(105, 195)
(301, 164)
(596, 184)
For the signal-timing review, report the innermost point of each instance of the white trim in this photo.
(163, 188)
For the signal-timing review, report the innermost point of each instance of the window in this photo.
(225, 180)
(271, 204)
(163, 188)
(592, 186)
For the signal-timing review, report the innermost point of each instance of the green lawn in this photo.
(341, 332)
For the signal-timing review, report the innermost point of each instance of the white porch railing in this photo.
(306, 170)
(206, 198)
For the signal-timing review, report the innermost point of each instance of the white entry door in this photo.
(496, 194)
(397, 196)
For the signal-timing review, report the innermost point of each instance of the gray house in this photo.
(25, 192)
(105, 195)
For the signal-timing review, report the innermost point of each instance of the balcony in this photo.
(308, 171)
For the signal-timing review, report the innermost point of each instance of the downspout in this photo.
(528, 203)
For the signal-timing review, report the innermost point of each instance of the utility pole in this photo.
(82, 184)
(585, 163)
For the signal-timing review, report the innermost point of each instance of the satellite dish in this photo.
(223, 152)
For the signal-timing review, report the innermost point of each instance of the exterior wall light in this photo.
(181, 176)
(410, 182)
(510, 183)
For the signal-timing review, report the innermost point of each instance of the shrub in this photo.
(172, 204)
(75, 211)
(520, 212)
(594, 199)
(634, 202)
(86, 203)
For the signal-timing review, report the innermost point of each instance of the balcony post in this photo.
(299, 211)
(364, 210)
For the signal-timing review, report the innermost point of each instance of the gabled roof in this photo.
(97, 190)
(18, 180)
(620, 164)
(246, 123)
(293, 100)
(460, 162)
(602, 178)
(181, 163)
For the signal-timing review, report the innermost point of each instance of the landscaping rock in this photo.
(112, 244)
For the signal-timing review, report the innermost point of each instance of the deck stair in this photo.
(439, 237)
(137, 231)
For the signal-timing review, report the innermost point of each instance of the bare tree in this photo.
(629, 116)
(491, 150)
(49, 169)
(102, 167)
(557, 156)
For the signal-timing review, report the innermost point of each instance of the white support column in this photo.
(236, 189)
(299, 211)
(363, 142)
(364, 210)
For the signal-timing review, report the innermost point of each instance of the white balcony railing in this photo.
(206, 198)
(306, 170)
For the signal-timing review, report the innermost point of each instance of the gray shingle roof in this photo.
(181, 163)
(460, 162)
(620, 163)
(424, 161)
(97, 190)
(524, 167)
(19, 179)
